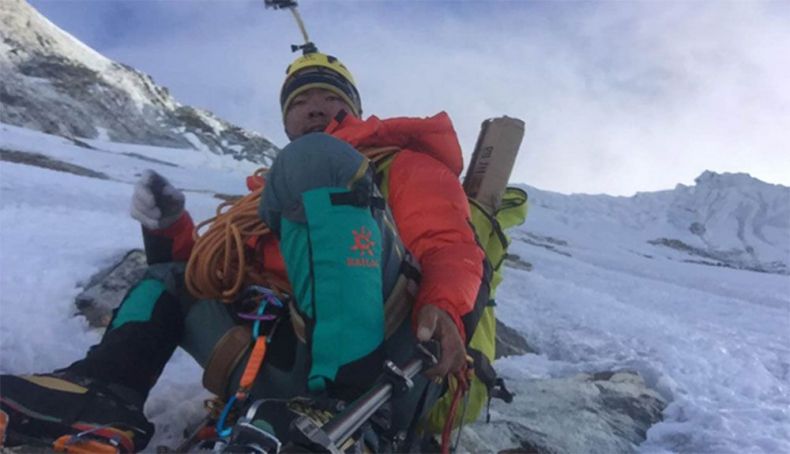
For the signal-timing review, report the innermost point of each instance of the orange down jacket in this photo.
(427, 201)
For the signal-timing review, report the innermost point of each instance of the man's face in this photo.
(311, 111)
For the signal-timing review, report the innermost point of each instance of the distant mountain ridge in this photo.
(54, 83)
(736, 219)
(728, 219)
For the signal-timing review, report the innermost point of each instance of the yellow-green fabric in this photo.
(490, 232)
(383, 171)
(512, 212)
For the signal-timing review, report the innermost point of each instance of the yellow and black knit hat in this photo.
(317, 70)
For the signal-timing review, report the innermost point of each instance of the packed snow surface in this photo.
(713, 340)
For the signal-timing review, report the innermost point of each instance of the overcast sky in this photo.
(618, 97)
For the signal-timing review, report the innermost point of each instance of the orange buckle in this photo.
(73, 445)
(253, 364)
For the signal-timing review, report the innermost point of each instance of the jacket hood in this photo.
(434, 135)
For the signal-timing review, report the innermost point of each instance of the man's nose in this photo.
(316, 108)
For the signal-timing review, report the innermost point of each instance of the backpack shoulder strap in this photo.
(381, 158)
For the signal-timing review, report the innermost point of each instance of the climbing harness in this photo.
(266, 300)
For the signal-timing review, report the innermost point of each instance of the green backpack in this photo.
(490, 230)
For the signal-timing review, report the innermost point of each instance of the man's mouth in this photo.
(315, 128)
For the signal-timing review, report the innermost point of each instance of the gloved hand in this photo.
(156, 203)
(434, 323)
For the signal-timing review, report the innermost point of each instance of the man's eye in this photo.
(297, 102)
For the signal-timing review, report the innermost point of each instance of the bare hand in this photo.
(434, 323)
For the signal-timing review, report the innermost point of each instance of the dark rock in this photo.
(82, 144)
(602, 413)
(52, 83)
(697, 228)
(510, 342)
(514, 261)
(106, 289)
(546, 242)
(40, 160)
(741, 259)
(149, 159)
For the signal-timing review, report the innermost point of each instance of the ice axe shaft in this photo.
(344, 426)
(341, 428)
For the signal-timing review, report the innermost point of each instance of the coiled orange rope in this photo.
(222, 263)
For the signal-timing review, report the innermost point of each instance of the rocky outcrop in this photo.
(105, 290)
(734, 258)
(608, 412)
(46, 162)
(510, 342)
(55, 84)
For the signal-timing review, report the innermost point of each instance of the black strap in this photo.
(500, 391)
(483, 368)
(472, 318)
(354, 198)
(495, 385)
(358, 198)
(378, 203)
(411, 432)
(158, 248)
(494, 223)
(408, 269)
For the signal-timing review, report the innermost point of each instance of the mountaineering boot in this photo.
(96, 403)
(143, 333)
(67, 411)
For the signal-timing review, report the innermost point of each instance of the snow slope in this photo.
(698, 322)
(713, 340)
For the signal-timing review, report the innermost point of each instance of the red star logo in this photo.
(362, 242)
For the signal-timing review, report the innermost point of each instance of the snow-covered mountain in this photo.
(52, 82)
(730, 220)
